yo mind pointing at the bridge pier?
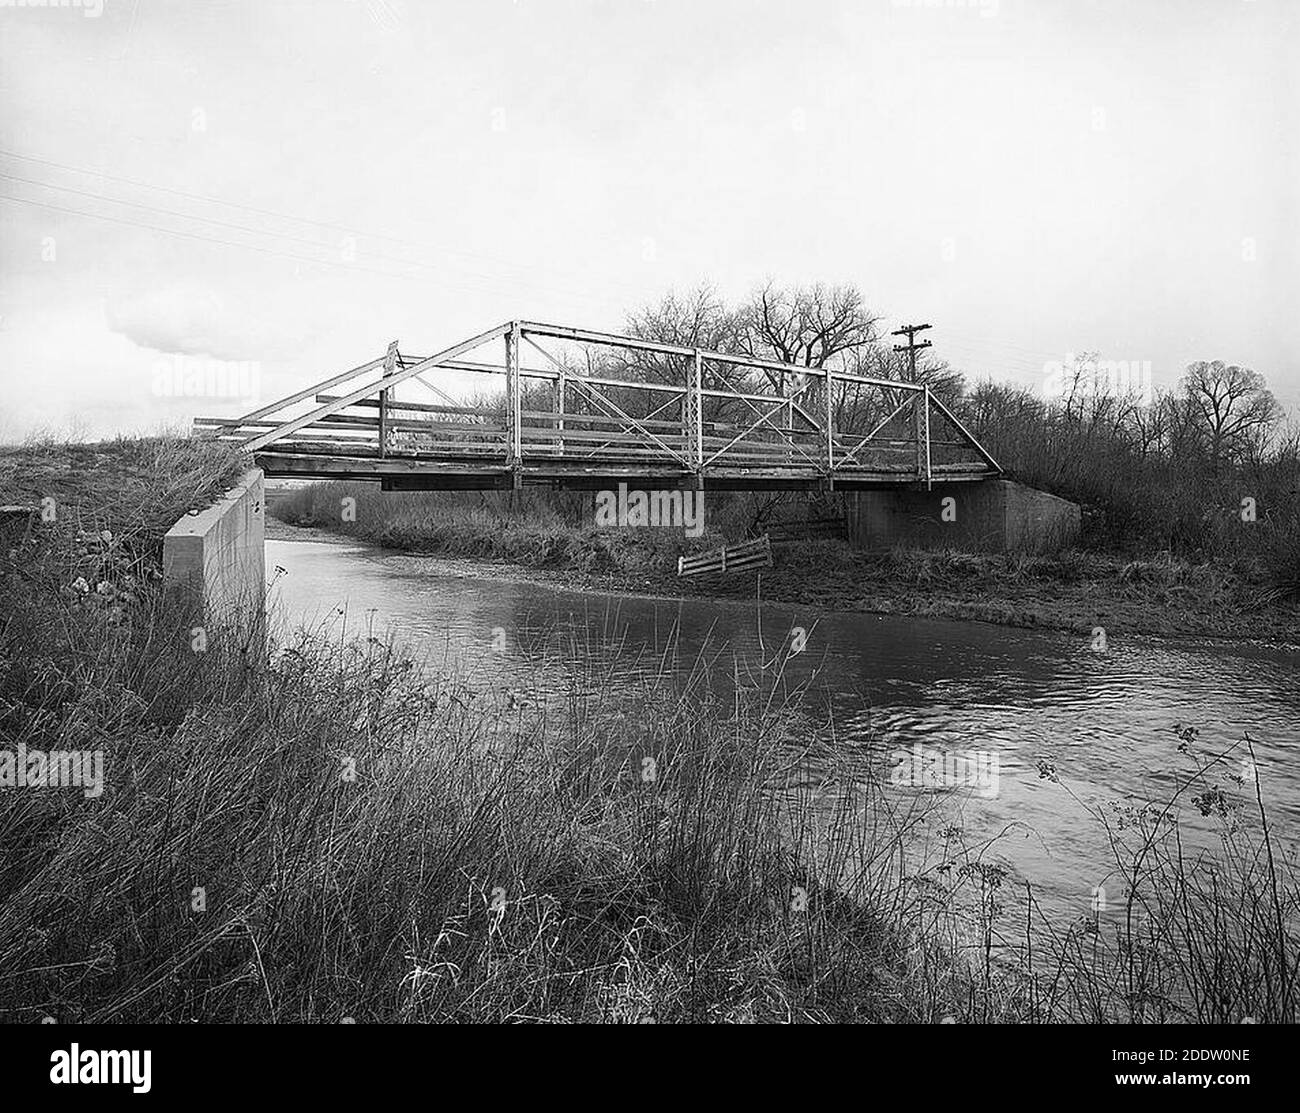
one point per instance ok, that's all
(993, 515)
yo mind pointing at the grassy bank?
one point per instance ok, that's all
(1075, 590)
(345, 835)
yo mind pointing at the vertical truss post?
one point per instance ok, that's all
(787, 421)
(789, 425)
(693, 417)
(920, 409)
(390, 365)
(514, 436)
(560, 385)
(830, 425)
(926, 397)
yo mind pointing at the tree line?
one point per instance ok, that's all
(1207, 467)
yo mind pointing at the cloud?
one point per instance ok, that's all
(192, 321)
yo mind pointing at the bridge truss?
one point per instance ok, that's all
(585, 409)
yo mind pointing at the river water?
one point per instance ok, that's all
(910, 688)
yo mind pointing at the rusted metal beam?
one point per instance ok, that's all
(390, 364)
(514, 448)
(366, 391)
(988, 459)
(307, 392)
(748, 445)
(613, 340)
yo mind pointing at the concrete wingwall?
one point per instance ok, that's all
(992, 515)
(214, 564)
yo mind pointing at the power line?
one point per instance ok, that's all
(960, 352)
(518, 281)
(237, 205)
(172, 212)
(211, 239)
(983, 339)
(234, 226)
(1003, 365)
(332, 226)
(988, 348)
(955, 341)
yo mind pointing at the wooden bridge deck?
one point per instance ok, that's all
(604, 409)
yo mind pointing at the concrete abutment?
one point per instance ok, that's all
(993, 515)
(214, 566)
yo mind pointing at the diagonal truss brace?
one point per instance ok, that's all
(387, 382)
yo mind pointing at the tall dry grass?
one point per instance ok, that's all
(534, 529)
(344, 833)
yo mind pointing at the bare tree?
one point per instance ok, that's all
(1078, 382)
(696, 319)
(1181, 438)
(1149, 427)
(880, 361)
(1230, 407)
(807, 325)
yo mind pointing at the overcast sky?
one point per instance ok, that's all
(297, 184)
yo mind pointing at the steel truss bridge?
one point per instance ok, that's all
(586, 410)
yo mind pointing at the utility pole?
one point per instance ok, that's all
(921, 398)
(911, 347)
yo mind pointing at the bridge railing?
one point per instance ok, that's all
(575, 401)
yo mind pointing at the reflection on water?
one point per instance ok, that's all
(1104, 720)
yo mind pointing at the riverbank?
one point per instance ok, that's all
(1074, 591)
(340, 835)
